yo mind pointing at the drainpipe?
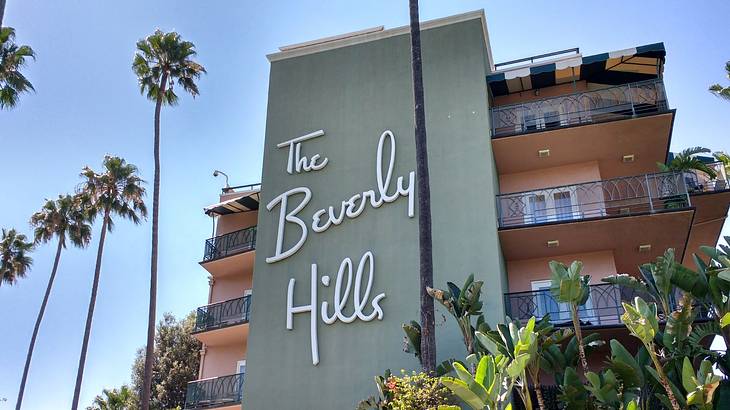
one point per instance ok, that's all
(202, 361)
(211, 282)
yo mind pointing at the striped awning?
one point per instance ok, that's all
(617, 67)
(248, 201)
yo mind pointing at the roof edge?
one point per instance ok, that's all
(365, 36)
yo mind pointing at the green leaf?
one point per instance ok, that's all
(462, 391)
(725, 320)
(517, 366)
(462, 373)
(688, 378)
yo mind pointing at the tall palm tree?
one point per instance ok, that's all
(2, 11)
(161, 60)
(687, 160)
(428, 337)
(12, 58)
(116, 191)
(14, 259)
(720, 91)
(63, 218)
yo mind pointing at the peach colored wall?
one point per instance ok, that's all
(549, 177)
(222, 360)
(521, 273)
(235, 222)
(546, 92)
(232, 286)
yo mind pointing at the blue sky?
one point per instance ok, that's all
(87, 104)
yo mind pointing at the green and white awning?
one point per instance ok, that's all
(248, 201)
(617, 67)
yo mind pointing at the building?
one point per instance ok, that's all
(551, 157)
(222, 325)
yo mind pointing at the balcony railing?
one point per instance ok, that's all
(606, 104)
(223, 314)
(602, 308)
(611, 197)
(230, 244)
(215, 392)
(697, 181)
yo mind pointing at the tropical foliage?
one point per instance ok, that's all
(161, 60)
(720, 91)
(14, 256)
(687, 160)
(414, 391)
(64, 219)
(116, 191)
(115, 399)
(13, 58)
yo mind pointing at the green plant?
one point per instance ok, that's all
(687, 161)
(491, 385)
(63, 219)
(516, 343)
(720, 91)
(700, 386)
(161, 60)
(567, 285)
(14, 259)
(643, 323)
(414, 391)
(12, 58)
(463, 304)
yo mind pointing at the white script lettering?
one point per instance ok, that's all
(360, 299)
(298, 163)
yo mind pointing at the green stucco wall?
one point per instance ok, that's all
(355, 93)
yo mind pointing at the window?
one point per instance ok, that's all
(241, 367)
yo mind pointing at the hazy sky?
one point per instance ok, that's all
(87, 104)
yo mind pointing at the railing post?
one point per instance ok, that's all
(631, 100)
(648, 193)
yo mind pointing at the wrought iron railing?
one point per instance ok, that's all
(215, 392)
(605, 104)
(602, 308)
(611, 197)
(698, 181)
(231, 243)
(228, 313)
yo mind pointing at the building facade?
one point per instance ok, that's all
(552, 157)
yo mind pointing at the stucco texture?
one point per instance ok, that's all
(355, 93)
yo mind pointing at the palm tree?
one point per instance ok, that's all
(720, 91)
(687, 160)
(428, 337)
(116, 399)
(116, 191)
(64, 218)
(12, 59)
(161, 60)
(2, 11)
(14, 259)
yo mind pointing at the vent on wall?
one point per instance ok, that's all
(645, 247)
(553, 243)
(543, 153)
(628, 158)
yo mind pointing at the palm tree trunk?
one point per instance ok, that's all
(150, 350)
(2, 11)
(538, 394)
(38, 320)
(428, 337)
(579, 337)
(90, 313)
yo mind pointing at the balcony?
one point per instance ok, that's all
(232, 243)
(215, 392)
(634, 195)
(603, 307)
(223, 314)
(588, 107)
(698, 182)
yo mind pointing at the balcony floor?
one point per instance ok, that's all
(622, 234)
(711, 212)
(239, 263)
(236, 334)
(646, 137)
